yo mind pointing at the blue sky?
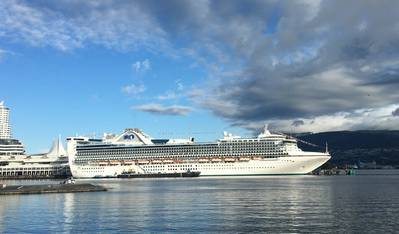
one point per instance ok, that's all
(197, 68)
(87, 91)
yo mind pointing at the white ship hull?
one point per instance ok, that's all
(295, 165)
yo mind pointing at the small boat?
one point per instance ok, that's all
(203, 160)
(156, 161)
(159, 175)
(244, 159)
(68, 181)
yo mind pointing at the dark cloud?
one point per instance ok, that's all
(163, 110)
(267, 60)
(395, 112)
(297, 123)
(317, 64)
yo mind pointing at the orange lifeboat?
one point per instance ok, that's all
(128, 162)
(143, 161)
(203, 160)
(229, 160)
(113, 163)
(168, 161)
(216, 160)
(156, 161)
(244, 159)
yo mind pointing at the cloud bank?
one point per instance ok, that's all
(163, 110)
(331, 64)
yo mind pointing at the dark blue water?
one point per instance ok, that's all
(286, 204)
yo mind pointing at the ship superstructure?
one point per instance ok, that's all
(134, 150)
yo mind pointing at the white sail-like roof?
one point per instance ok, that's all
(57, 150)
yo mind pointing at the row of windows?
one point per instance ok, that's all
(195, 147)
(195, 160)
(179, 151)
(31, 169)
(116, 157)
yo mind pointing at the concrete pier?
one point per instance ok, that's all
(49, 188)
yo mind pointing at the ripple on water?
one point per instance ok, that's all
(293, 204)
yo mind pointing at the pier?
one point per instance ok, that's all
(49, 188)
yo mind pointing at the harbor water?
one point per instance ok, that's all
(364, 203)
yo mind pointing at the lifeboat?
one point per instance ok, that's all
(257, 158)
(229, 160)
(128, 162)
(203, 160)
(143, 161)
(168, 161)
(102, 163)
(113, 163)
(216, 160)
(156, 161)
(244, 159)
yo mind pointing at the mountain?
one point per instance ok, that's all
(367, 148)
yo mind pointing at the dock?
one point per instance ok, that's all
(49, 188)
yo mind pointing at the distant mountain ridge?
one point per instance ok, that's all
(352, 147)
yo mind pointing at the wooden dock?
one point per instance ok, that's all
(49, 188)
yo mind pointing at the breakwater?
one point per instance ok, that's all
(49, 188)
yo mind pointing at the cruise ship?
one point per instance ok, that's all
(136, 152)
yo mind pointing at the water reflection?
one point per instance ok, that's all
(68, 211)
(233, 204)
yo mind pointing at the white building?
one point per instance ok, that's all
(5, 130)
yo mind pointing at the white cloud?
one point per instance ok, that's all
(133, 89)
(177, 93)
(141, 66)
(4, 53)
(67, 25)
(377, 118)
(179, 85)
(168, 96)
(155, 108)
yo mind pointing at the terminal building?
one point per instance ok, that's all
(15, 163)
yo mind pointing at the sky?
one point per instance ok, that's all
(197, 68)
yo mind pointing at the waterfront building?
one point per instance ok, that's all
(15, 163)
(8, 146)
(53, 164)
